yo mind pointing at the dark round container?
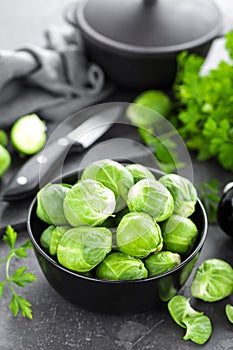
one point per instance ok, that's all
(114, 296)
(225, 210)
(136, 42)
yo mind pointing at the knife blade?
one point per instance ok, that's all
(47, 164)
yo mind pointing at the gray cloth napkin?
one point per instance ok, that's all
(54, 81)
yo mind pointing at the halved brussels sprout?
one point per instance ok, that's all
(112, 175)
(179, 234)
(82, 248)
(213, 280)
(183, 192)
(139, 172)
(161, 262)
(151, 197)
(50, 201)
(88, 203)
(119, 266)
(138, 235)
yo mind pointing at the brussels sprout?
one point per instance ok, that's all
(213, 280)
(151, 197)
(139, 172)
(51, 236)
(119, 266)
(138, 235)
(50, 201)
(179, 234)
(112, 175)
(82, 248)
(156, 104)
(5, 160)
(88, 203)
(56, 235)
(161, 262)
(45, 237)
(183, 192)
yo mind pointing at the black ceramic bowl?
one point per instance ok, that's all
(114, 296)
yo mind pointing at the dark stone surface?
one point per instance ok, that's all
(56, 323)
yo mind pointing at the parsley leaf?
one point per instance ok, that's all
(205, 111)
(20, 277)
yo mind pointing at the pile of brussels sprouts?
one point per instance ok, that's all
(118, 222)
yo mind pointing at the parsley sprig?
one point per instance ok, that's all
(206, 105)
(20, 277)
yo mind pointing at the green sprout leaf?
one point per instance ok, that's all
(199, 329)
(20, 277)
(229, 312)
(213, 280)
(198, 326)
(180, 308)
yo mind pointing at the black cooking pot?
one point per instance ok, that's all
(136, 42)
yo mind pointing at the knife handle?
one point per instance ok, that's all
(40, 169)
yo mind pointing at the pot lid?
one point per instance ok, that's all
(149, 26)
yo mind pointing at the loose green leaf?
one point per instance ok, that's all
(199, 329)
(180, 308)
(10, 237)
(213, 280)
(229, 312)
